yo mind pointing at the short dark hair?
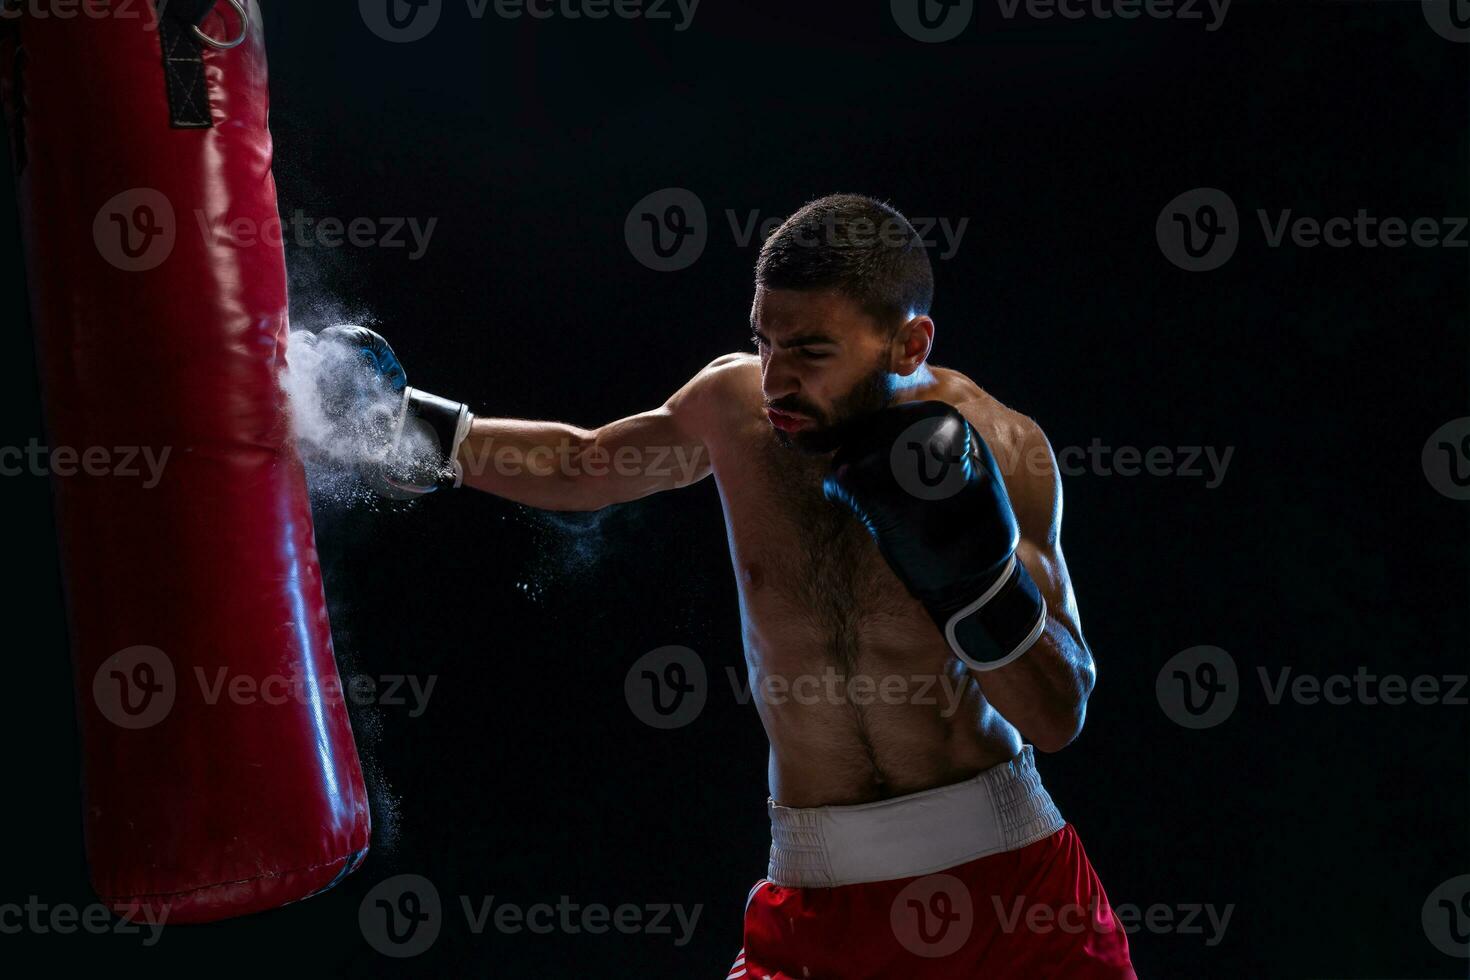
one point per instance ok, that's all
(857, 246)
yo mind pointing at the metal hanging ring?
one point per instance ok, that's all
(244, 16)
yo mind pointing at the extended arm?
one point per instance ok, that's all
(553, 466)
(435, 442)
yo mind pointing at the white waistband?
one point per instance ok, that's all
(1002, 809)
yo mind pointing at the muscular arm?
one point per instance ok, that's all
(553, 466)
(1044, 694)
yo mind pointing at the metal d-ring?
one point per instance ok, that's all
(244, 29)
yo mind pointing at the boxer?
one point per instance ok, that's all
(888, 519)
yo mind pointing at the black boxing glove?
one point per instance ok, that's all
(929, 491)
(423, 449)
(420, 449)
(372, 348)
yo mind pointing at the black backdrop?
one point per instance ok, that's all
(1324, 548)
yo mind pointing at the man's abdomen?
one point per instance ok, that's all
(888, 723)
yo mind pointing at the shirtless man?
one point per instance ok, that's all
(873, 534)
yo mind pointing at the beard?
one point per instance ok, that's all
(871, 394)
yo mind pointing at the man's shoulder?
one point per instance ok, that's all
(1021, 450)
(1006, 430)
(729, 376)
(730, 382)
(741, 364)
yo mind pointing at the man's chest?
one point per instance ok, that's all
(794, 552)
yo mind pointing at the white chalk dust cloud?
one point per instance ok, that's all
(342, 413)
(345, 417)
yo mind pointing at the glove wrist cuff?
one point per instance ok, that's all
(423, 451)
(448, 420)
(1002, 625)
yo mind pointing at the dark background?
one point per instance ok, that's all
(528, 777)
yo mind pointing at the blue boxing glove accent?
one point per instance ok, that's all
(373, 348)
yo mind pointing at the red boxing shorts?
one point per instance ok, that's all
(979, 879)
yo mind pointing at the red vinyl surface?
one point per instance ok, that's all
(220, 772)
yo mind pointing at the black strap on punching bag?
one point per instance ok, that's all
(183, 61)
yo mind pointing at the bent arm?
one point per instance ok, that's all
(1044, 693)
(553, 466)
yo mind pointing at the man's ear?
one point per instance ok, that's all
(912, 343)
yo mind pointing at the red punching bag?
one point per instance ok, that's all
(219, 770)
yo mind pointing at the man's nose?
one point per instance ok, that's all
(777, 380)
